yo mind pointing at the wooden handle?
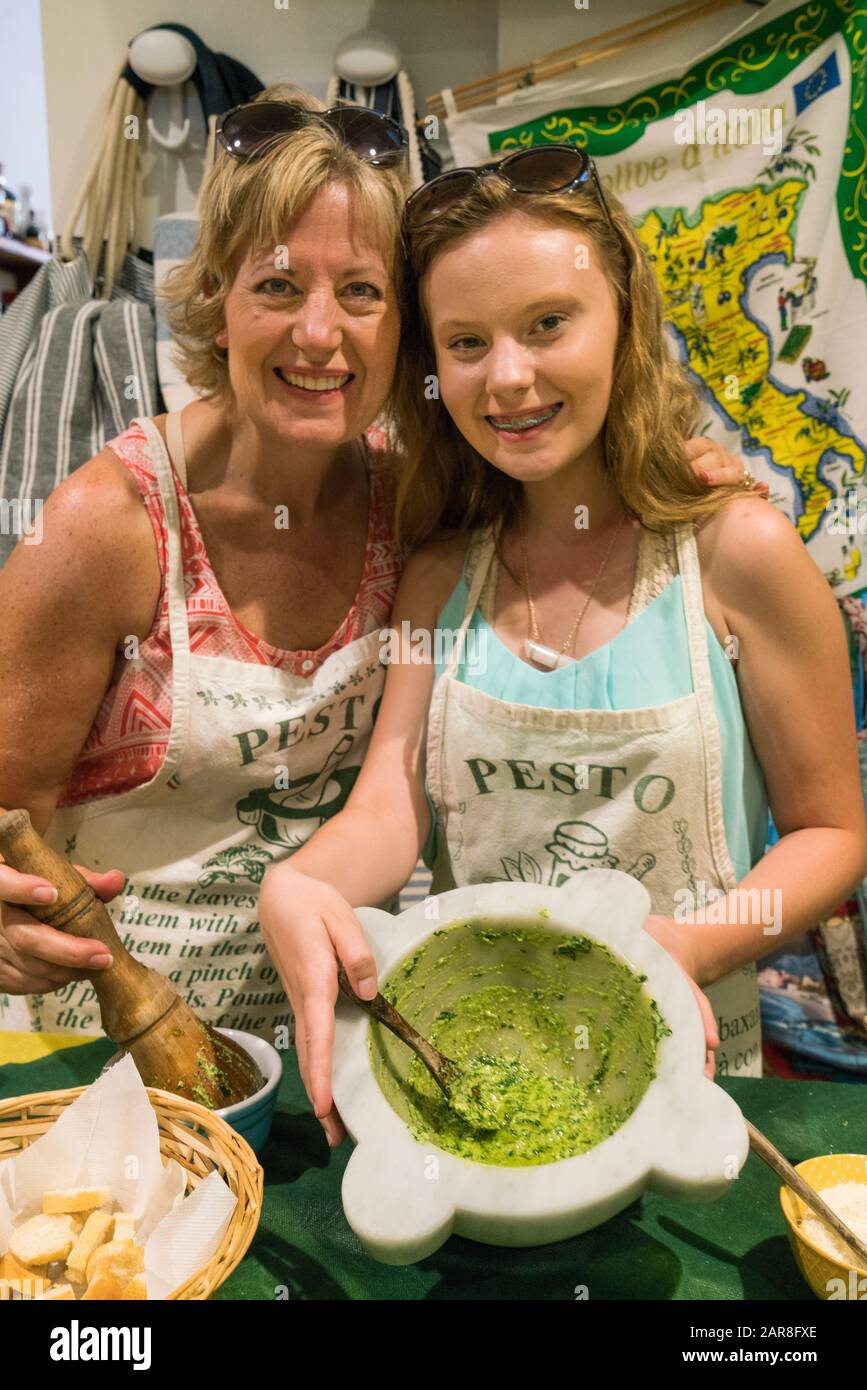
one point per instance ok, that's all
(765, 1150)
(77, 910)
(379, 1008)
(140, 1009)
(130, 995)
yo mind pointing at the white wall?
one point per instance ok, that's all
(24, 140)
(85, 44)
(445, 42)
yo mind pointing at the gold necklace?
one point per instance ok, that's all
(534, 648)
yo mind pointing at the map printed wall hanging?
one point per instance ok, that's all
(746, 177)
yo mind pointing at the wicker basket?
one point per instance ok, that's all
(195, 1137)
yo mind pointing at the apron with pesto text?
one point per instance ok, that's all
(257, 759)
(525, 792)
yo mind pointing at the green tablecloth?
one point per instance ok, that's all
(657, 1248)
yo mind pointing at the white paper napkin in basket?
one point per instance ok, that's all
(109, 1137)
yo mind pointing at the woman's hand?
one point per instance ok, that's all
(673, 936)
(308, 927)
(716, 466)
(35, 958)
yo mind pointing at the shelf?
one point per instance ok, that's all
(16, 255)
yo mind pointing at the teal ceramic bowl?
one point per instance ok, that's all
(252, 1117)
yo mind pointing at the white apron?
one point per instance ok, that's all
(510, 804)
(257, 759)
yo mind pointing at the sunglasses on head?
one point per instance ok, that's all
(247, 131)
(549, 169)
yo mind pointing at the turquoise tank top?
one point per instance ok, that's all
(645, 664)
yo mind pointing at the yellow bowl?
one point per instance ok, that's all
(828, 1277)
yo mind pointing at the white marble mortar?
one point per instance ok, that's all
(686, 1138)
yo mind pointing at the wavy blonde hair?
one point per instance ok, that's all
(446, 485)
(249, 204)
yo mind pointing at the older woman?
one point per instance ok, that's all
(189, 662)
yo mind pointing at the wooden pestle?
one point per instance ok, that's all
(459, 1088)
(141, 1011)
(442, 1069)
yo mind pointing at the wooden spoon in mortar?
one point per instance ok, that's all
(461, 1094)
(140, 1009)
(765, 1150)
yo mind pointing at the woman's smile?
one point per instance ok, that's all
(314, 385)
(291, 329)
(524, 424)
(499, 340)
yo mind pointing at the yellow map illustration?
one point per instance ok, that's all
(704, 266)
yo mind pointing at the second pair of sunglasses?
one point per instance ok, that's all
(247, 131)
(548, 169)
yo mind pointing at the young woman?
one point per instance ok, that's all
(659, 662)
(193, 649)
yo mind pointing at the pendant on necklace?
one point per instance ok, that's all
(544, 656)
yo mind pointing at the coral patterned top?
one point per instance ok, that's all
(127, 741)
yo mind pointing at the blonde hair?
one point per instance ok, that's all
(446, 485)
(248, 204)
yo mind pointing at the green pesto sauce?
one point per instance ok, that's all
(555, 1038)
